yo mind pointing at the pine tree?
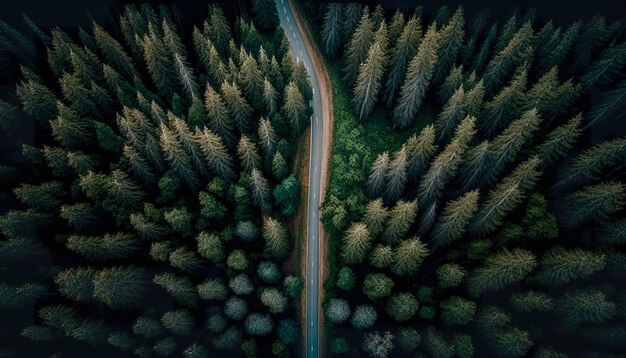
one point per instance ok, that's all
(270, 97)
(451, 84)
(259, 188)
(505, 196)
(44, 196)
(606, 68)
(185, 260)
(586, 305)
(332, 29)
(417, 80)
(452, 37)
(107, 247)
(241, 284)
(505, 147)
(147, 230)
(594, 202)
(180, 287)
(501, 269)
(179, 160)
(267, 137)
(212, 289)
(356, 243)
(69, 129)
(451, 115)
(113, 51)
(403, 51)
(377, 179)
(294, 108)
(591, 164)
(186, 138)
(559, 266)
(274, 300)
(352, 14)
(420, 150)
(157, 61)
(218, 116)
(450, 275)
(559, 141)
(507, 104)
(219, 29)
(457, 311)
(377, 285)
(402, 306)
(237, 106)
(531, 301)
(375, 216)
(517, 51)
(381, 256)
(276, 238)
(408, 256)
(396, 27)
(455, 218)
(445, 165)
(215, 153)
(401, 218)
(474, 166)
(248, 154)
(179, 322)
(80, 215)
(396, 176)
(119, 287)
(250, 79)
(369, 78)
(265, 14)
(358, 47)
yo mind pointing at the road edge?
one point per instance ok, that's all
(324, 83)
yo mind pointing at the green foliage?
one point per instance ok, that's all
(457, 311)
(402, 306)
(501, 269)
(287, 195)
(178, 322)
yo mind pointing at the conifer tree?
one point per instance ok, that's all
(452, 37)
(475, 164)
(590, 164)
(113, 51)
(451, 114)
(109, 246)
(559, 141)
(215, 153)
(375, 216)
(119, 287)
(559, 266)
(420, 150)
(401, 218)
(270, 97)
(179, 160)
(248, 154)
(444, 166)
(259, 187)
(455, 218)
(356, 243)
(586, 305)
(501, 269)
(377, 179)
(358, 47)
(507, 104)
(408, 256)
(267, 137)
(276, 238)
(504, 147)
(594, 202)
(218, 116)
(517, 51)
(403, 51)
(237, 106)
(369, 78)
(180, 287)
(294, 107)
(417, 80)
(332, 29)
(396, 176)
(505, 196)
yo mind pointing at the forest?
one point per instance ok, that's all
(147, 186)
(474, 208)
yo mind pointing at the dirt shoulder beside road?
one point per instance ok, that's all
(327, 138)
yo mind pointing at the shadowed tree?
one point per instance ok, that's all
(248, 154)
(585, 305)
(180, 287)
(403, 51)
(377, 285)
(377, 178)
(452, 36)
(402, 306)
(396, 176)
(590, 164)
(76, 283)
(358, 47)
(109, 246)
(213, 289)
(559, 141)
(408, 256)
(559, 266)
(417, 80)
(332, 29)
(369, 78)
(378, 344)
(455, 218)
(375, 216)
(236, 104)
(363, 316)
(401, 218)
(119, 287)
(594, 202)
(501, 269)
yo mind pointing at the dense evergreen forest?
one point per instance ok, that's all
(146, 215)
(470, 209)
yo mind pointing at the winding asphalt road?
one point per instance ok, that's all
(312, 288)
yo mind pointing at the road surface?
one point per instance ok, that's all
(312, 287)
